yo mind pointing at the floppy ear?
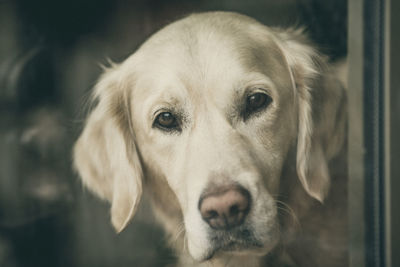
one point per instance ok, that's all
(105, 154)
(321, 102)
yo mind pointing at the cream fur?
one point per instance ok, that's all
(202, 67)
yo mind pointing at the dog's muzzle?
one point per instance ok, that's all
(224, 209)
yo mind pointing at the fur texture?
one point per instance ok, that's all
(202, 69)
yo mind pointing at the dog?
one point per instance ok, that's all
(237, 131)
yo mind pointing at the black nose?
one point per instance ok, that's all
(225, 207)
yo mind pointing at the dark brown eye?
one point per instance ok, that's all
(257, 101)
(166, 121)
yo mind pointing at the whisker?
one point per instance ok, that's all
(185, 242)
(180, 230)
(286, 208)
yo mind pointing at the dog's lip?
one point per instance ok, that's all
(233, 247)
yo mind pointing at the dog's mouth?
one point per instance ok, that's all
(236, 241)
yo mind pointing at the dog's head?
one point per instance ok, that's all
(207, 111)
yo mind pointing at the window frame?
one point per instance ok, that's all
(372, 130)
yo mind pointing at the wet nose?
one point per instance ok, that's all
(225, 207)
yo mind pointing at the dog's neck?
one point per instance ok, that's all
(231, 261)
(316, 221)
(278, 258)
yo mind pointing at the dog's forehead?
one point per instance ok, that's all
(209, 57)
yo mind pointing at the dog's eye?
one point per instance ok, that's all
(166, 121)
(256, 102)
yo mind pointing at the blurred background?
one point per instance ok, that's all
(50, 57)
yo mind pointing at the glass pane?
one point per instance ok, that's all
(235, 133)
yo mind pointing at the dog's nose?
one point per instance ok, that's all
(225, 207)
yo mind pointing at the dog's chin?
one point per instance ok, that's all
(235, 249)
(240, 243)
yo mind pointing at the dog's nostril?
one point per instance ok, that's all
(225, 207)
(211, 214)
(234, 210)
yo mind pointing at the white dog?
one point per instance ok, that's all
(234, 129)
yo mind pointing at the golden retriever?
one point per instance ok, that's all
(237, 132)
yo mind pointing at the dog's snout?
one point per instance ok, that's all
(225, 207)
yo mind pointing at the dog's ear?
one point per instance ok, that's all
(105, 154)
(321, 103)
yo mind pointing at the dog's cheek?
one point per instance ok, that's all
(196, 233)
(265, 219)
(269, 168)
(273, 149)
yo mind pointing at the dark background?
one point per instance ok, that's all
(50, 57)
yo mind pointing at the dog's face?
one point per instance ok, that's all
(209, 106)
(216, 113)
